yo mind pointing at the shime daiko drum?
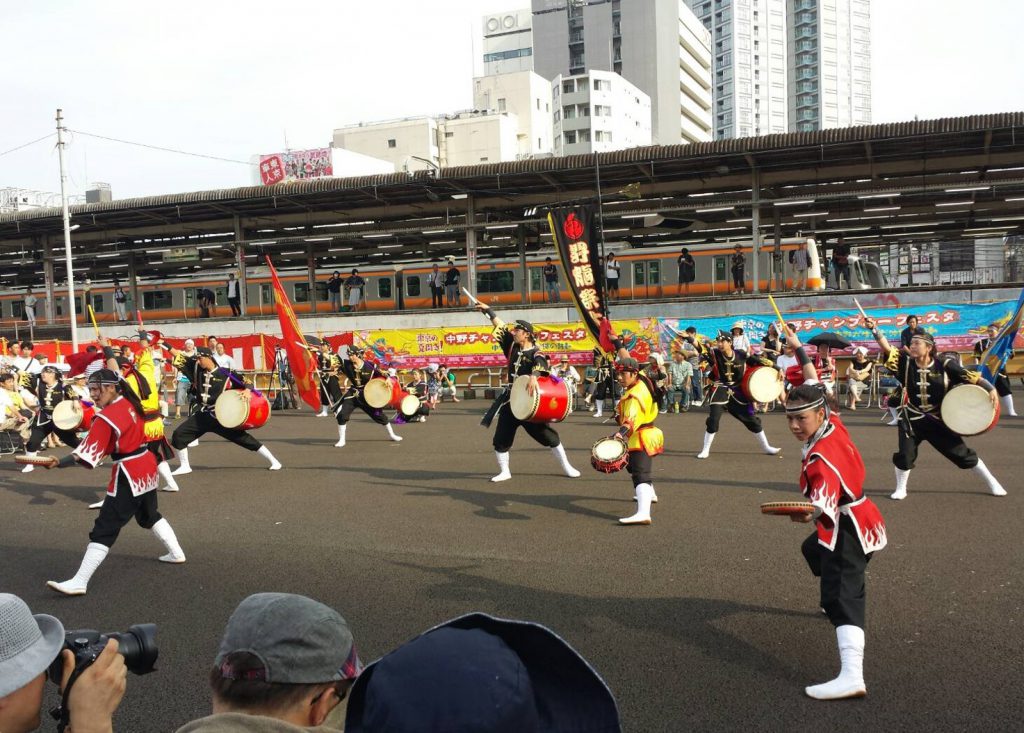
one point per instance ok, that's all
(609, 455)
(967, 409)
(761, 383)
(73, 415)
(549, 403)
(234, 411)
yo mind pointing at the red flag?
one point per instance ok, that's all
(299, 357)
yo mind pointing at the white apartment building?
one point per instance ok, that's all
(749, 49)
(829, 63)
(653, 44)
(598, 112)
(508, 42)
(526, 96)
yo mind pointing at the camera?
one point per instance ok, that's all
(137, 646)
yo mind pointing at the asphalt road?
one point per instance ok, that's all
(706, 620)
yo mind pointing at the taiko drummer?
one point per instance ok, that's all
(635, 413)
(208, 382)
(926, 379)
(518, 343)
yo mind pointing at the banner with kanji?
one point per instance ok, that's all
(299, 357)
(575, 233)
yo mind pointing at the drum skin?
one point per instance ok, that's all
(410, 405)
(73, 415)
(550, 403)
(382, 392)
(761, 383)
(967, 410)
(233, 411)
(787, 508)
(609, 455)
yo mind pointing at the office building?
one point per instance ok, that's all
(508, 42)
(598, 112)
(525, 96)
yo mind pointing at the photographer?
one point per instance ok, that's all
(28, 646)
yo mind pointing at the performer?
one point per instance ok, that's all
(925, 380)
(51, 392)
(727, 368)
(327, 365)
(358, 371)
(524, 358)
(607, 385)
(417, 386)
(117, 432)
(849, 527)
(636, 413)
(1002, 380)
(208, 382)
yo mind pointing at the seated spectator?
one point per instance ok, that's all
(28, 646)
(448, 387)
(284, 664)
(480, 673)
(680, 382)
(858, 375)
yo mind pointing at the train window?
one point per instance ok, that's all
(97, 304)
(495, 281)
(536, 280)
(221, 296)
(412, 285)
(384, 288)
(267, 294)
(156, 300)
(321, 290)
(190, 297)
(18, 309)
(301, 292)
(654, 272)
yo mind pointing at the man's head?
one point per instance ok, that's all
(922, 345)
(26, 348)
(7, 380)
(204, 357)
(912, 321)
(992, 330)
(212, 342)
(355, 271)
(284, 656)
(685, 251)
(190, 345)
(415, 375)
(50, 374)
(677, 356)
(522, 332)
(547, 260)
(219, 349)
(104, 387)
(28, 645)
(231, 276)
(627, 370)
(336, 274)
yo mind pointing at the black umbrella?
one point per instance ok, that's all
(831, 340)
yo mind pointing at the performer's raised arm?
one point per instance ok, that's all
(872, 326)
(487, 311)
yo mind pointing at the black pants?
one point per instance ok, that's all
(944, 440)
(607, 388)
(842, 574)
(737, 279)
(640, 467)
(119, 509)
(742, 411)
(201, 423)
(350, 403)
(613, 286)
(236, 306)
(1002, 385)
(436, 296)
(508, 424)
(39, 433)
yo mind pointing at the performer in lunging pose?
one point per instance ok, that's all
(636, 413)
(117, 432)
(208, 382)
(524, 358)
(327, 365)
(849, 528)
(51, 391)
(358, 371)
(1002, 380)
(727, 368)
(926, 379)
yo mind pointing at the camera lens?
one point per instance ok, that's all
(138, 646)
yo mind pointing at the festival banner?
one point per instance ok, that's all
(299, 358)
(576, 240)
(295, 165)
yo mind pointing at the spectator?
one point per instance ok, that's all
(234, 295)
(206, 299)
(436, 282)
(354, 284)
(284, 374)
(433, 386)
(568, 372)
(611, 275)
(26, 363)
(841, 263)
(693, 352)
(223, 359)
(798, 258)
(740, 342)
(825, 364)
(120, 302)
(771, 344)
(778, 279)
(452, 278)
(334, 291)
(908, 333)
(30, 308)
(448, 386)
(687, 270)
(183, 385)
(655, 371)
(550, 271)
(482, 673)
(858, 376)
(680, 382)
(28, 645)
(738, 278)
(285, 662)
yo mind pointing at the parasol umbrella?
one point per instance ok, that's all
(829, 339)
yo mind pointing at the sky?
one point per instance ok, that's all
(235, 79)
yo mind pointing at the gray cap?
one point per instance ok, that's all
(298, 640)
(28, 644)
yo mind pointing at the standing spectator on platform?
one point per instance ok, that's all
(778, 280)
(120, 302)
(334, 291)
(436, 281)
(205, 299)
(452, 279)
(355, 284)
(30, 308)
(687, 270)
(234, 297)
(738, 277)
(680, 382)
(551, 281)
(908, 333)
(611, 273)
(798, 258)
(841, 263)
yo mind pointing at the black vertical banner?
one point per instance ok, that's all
(575, 233)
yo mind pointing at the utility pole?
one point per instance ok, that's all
(67, 233)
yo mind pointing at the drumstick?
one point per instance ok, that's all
(92, 317)
(470, 296)
(862, 313)
(777, 314)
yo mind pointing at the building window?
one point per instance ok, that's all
(501, 104)
(603, 136)
(391, 142)
(569, 86)
(570, 137)
(558, 115)
(569, 112)
(584, 110)
(449, 134)
(584, 136)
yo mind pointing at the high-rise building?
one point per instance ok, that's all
(829, 63)
(597, 112)
(654, 44)
(508, 42)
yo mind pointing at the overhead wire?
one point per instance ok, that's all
(25, 145)
(159, 147)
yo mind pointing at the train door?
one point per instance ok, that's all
(720, 276)
(646, 279)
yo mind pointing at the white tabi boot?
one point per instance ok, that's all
(1006, 405)
(503, 473)
(850, 682)
(164, 469)
(894, 417)
(193, 444)
(165, 534)
(183, 464)
(559, 453)
(598, 408)
(264, 451)
(392, 435)
(29, 468)
(901, 485)
(993, 485)
(98, 504)
(644, 497)
(323, 411)
(762, 440)
(342, 429)
(709, 438)
(95, 553)
(636, 496)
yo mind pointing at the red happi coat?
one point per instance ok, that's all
(120, 430)
(832, 478)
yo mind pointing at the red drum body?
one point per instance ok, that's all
(761, 384)
(609, 455)
(410, 405)
(382, 392)
(550, 403)
(967, 410)
(73, 415)
(233, 411)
